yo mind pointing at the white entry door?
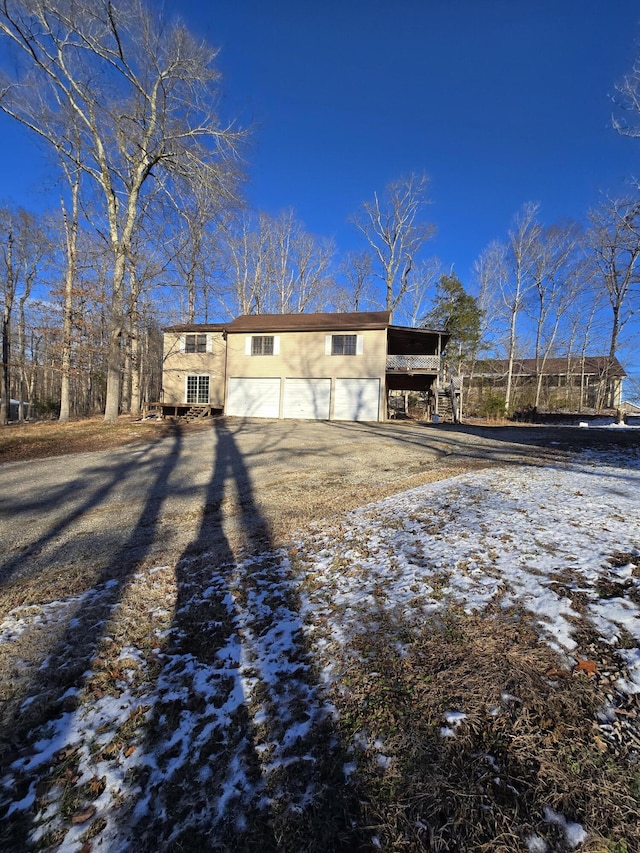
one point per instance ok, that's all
(307, 398)
(357, 400)
(254, 398)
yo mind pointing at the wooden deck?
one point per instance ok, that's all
(189, 411)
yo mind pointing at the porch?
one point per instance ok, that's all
(189, 411)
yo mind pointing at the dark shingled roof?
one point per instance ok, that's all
(309, 322)
(354, 321)
(594, 365)
(197, 327)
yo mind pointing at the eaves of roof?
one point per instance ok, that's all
(354, 321)
(196, 327)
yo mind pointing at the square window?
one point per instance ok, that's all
(195, 343)
(262, 345)
(343, 344)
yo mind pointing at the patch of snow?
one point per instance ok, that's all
(530, 538)
(574, 833)
(536, 844)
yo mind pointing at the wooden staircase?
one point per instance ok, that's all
(445, 406)
(450, 400)
(197, 413)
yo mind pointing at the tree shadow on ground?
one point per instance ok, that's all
(47, 696)
(76, 498)
(241, 747)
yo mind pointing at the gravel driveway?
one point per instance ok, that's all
(68, 522)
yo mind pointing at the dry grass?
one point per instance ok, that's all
(20, 442)
(530, 738)
(528, 741)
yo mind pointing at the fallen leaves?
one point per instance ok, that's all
(83, 816)
(590, 667)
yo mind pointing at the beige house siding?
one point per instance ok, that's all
(303, 355)
(177, 365)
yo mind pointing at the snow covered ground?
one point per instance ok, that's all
(225, 684)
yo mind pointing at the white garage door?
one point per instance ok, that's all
(357, 400)
(307, 398)
(254, 398)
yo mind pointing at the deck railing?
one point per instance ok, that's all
(408, 363)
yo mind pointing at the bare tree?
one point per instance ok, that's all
(143, 97)
(558, 271)
(23, 250)
(582, 320)
(491, 273)
(392, 226)
(505, 273)
(197, 210)
(412, 306)
(245, 248)
(71, 224)
(628, 100)
(615, 241)
(523, 238)
(276, 267)
(358, 272)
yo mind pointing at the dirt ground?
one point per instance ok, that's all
(85, 505)
(69, 521)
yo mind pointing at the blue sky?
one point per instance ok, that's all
(499, 101)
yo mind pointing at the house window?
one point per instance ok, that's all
(198, 389)
(195, 343)
(343, 344)
(262, 345)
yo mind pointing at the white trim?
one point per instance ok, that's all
(186, 386)
(209, 342)
(183, 343)
(359, 344)
(276, 344)
(327, 344)
(247, 345)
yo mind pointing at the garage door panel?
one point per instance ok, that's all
(357, 400)
(307, 398)
(254, 398)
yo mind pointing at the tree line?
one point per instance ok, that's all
(152, 228)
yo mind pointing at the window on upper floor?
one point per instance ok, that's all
(262, 345)
(195, 343)
(344, 344)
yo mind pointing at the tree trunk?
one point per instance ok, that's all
(512, 347)
(114, 375)
(114, 352)
(5, 408)
(135, 375)
(71, 234)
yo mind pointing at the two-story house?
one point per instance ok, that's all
(318, 366)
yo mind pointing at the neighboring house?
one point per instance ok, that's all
(13, 412)
(318, 366)
(568, 383)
